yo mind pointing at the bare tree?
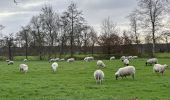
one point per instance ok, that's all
(134, 24)
(50, 25)
(75, 18)
(93, 39)
(37, 33)
(108, 29)
(9, 42)
(25, 36)
(151, 15)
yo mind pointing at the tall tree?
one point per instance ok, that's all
(37, 34)
(93, 39)
(151, 12)
(75, 18)
(50, 25)
(108, 29)
(25, 36)
(9, 42)
(134, 24)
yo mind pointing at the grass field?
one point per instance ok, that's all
(74, 81)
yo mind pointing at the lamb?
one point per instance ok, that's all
(10, 62)
(88, 59)
(23, 68)
(100, 64)
(54, 66)
(126, 62)
(159, 68)
(112, 58)
(125, 71)
(70, 60)
(98, 76)
(152, 61)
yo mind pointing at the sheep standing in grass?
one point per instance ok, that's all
(152, 61)
(54, 66)
(10, 62)
(62, 59)
(25, 60)
(88, 59)
(134, 57)
(7, 60)
(112, 58)
(125, 71)
(70, 60)
(159, 68)
(98, 76)
(100, 64)
(54, 60)
(122, 58)
(23, 68)
(126, 62)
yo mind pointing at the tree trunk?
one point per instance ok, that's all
(153, 38)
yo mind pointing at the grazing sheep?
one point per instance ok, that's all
(134, 57)
(152, 61)
(112, 58)
(98, 76)
(100, 64)
(159, 68)
(10, 62)
(62, 59)
(129, 57)
(125, 71)
(7, 60)
(122, 58)
(70, 60)
(23, 68)
(54, 60)
(25, 60)
(54, 66)
(126, 62)
(88, 59)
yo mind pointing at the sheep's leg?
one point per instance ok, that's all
(133, 76)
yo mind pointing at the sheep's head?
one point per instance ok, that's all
(116, 75)
(165, 65)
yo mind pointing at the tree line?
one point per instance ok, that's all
(70, 29)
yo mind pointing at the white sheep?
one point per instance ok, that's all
(152, 61)
(100, 63)
(54, 66)
(159, 68)
(98, 76)
(134, 57)
(88, 59)
(126, 62)
(25, 60)
(122, 58)
(23, 68)
(7, 60)
(125, 71)
(70, 60)
(10, 62)
(62, 59)
(112, 58)
(129, 57)
(54, 60)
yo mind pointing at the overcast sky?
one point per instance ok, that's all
(14, 16)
